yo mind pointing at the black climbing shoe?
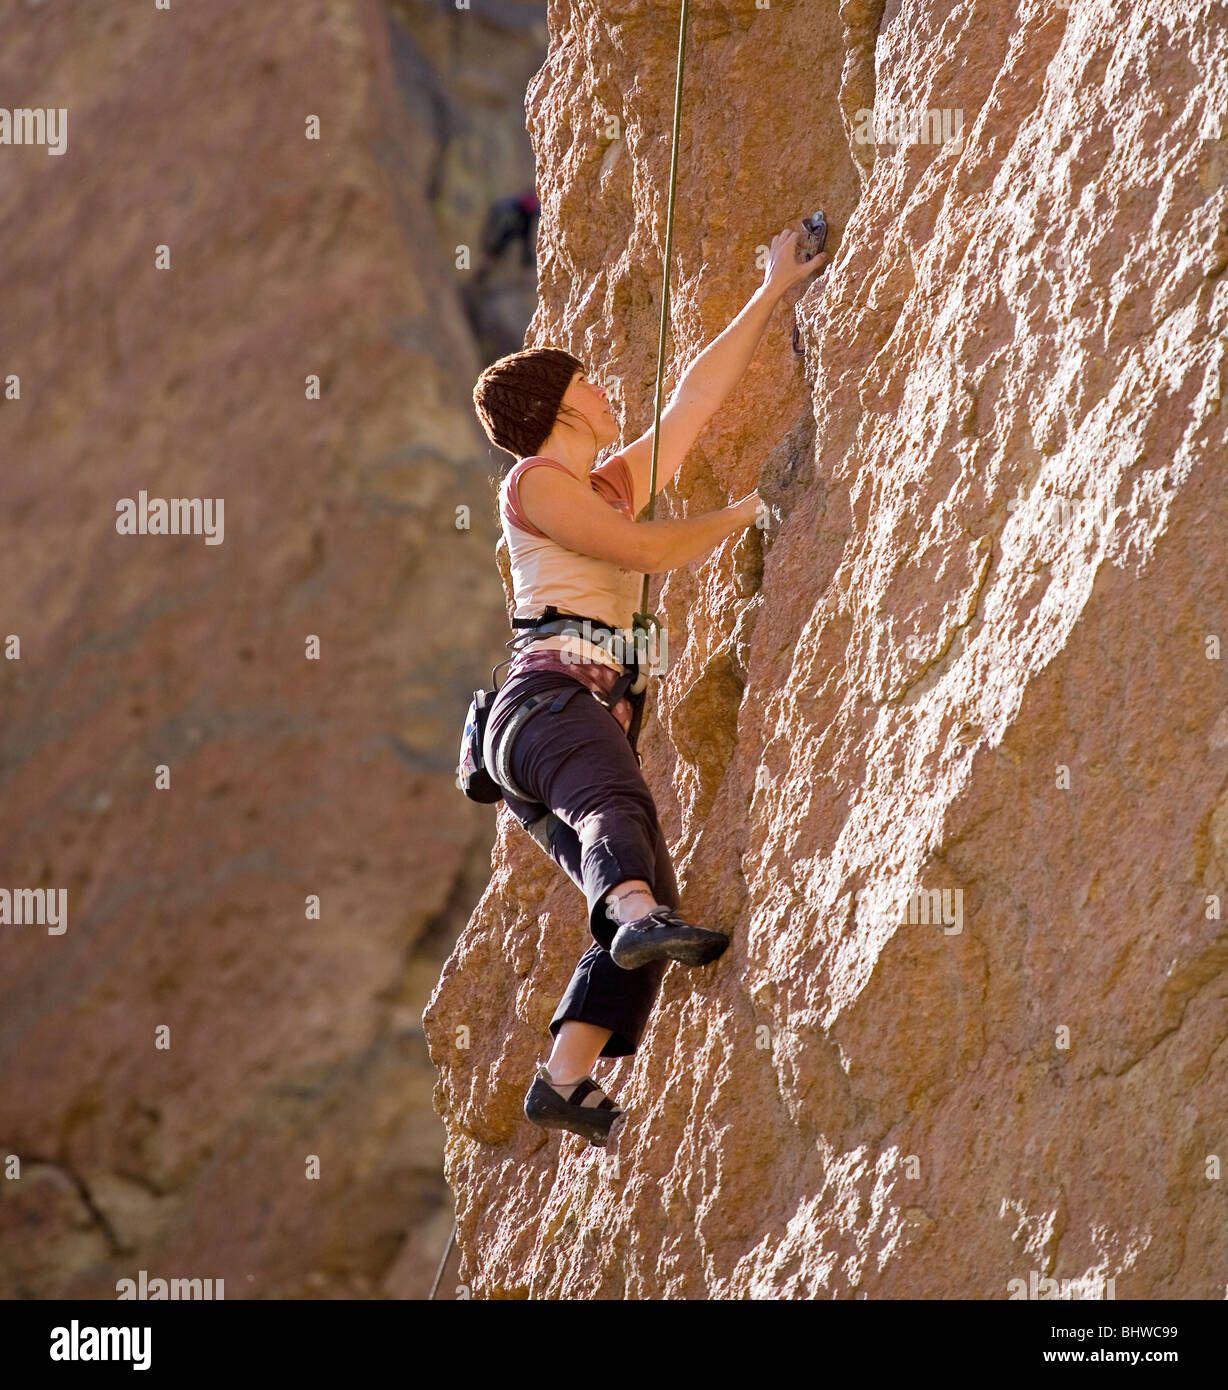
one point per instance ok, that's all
(597, 1121)
(663, 935)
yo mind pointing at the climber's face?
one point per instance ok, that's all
(593, 403)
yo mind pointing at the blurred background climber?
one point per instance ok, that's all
(509, 219)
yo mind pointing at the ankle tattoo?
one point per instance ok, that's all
(614, 904)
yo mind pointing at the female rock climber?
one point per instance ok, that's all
(576, 549)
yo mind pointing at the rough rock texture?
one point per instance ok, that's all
(978, 657)
(288, 1036)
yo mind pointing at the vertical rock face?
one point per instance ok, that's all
(950, 759)
(187, 1152)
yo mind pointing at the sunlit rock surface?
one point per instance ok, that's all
(980, 662)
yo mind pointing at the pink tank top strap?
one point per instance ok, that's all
(512, 491)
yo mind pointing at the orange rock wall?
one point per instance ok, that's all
(979, 653)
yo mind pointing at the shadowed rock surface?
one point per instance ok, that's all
(979, 655)
(288, 1036)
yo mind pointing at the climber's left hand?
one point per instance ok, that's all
(783, 269)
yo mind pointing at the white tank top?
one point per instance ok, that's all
(544, 572)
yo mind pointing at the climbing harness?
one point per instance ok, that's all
(634, 680)
(483, 773)
(501, 763)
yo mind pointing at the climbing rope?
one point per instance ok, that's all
(644, 619)
(447, 1250)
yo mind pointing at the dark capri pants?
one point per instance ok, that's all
(580, 765)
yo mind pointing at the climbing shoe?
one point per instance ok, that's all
(663, 935)
(583, 1107)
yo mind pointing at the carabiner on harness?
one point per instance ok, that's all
(650, 625)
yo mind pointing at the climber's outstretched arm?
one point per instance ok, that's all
(706, 383)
